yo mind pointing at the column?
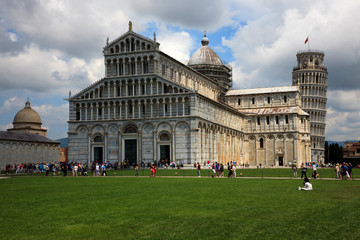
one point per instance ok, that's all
(145, 109)
(157, 108)
(151, 109)
(109, 112)
(183, 107)
(114, 110)
(135, 67)
(126, 88)
(106, 67)
(126, 110)
(140, 147)
(120, 147)
(89, 148)
(105, 147)
(97, 111)
(176, 107)
(155, 145)
(133, 110)
(123, 71)
(80, 112)
(139, 106)
(145, 87)
(151, 87)
(86, 118)
(142, 67)
(120, 109)
(173, 146)
(91, 112)
(114, 94)
(157, 87)
(108, 87)
(139, 91)
(170, 103)
(118, 68)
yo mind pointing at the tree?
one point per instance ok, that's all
(326, 152)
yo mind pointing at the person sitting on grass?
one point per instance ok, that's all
(307, 185)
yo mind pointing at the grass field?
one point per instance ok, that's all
(177, 208)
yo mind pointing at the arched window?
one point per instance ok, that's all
(98, 139)
(261, 143)
(164, 137)
(130, 129)
(268, 99)
(285, 98)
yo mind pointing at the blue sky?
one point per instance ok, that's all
(50, 47)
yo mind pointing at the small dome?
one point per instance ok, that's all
(27, 115)
(205, 55)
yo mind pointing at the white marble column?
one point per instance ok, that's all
(151, 109)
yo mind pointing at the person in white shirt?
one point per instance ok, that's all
(307, 185)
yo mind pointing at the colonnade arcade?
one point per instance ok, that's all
(273, 150)
(133, 108)
(129, 45)
(131, 87)
(313, 103)
(309, 77)
(219, 144)
(134, 65)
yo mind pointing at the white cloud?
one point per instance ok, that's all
(54, 119)
(176, 44)
(47, 71)
(11, 104)
(6, 127)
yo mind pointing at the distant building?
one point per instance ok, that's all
(26, 142)
(150, 107)
(351, 150)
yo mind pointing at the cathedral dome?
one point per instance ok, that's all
(205, 55)
(27, 115)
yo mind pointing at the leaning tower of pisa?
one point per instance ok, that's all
(311, 77)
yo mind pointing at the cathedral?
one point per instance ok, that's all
(149, 106)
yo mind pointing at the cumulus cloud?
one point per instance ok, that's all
(176, 44)
(268, 44)
(202, 14)
(10, 104)
(342, 125)
(47, 70)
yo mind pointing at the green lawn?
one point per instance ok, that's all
(177, 208)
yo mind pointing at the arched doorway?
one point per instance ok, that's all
(164, 149)
(98, 150)
(130, 144)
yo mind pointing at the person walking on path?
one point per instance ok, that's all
(152, 170)
(137, 170)
(294, 168)
(314, 170)
(337, 170)
(199, 170)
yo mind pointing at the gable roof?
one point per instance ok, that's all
(253, 91)
(25, 137)
(130, 32)
(275, 110)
